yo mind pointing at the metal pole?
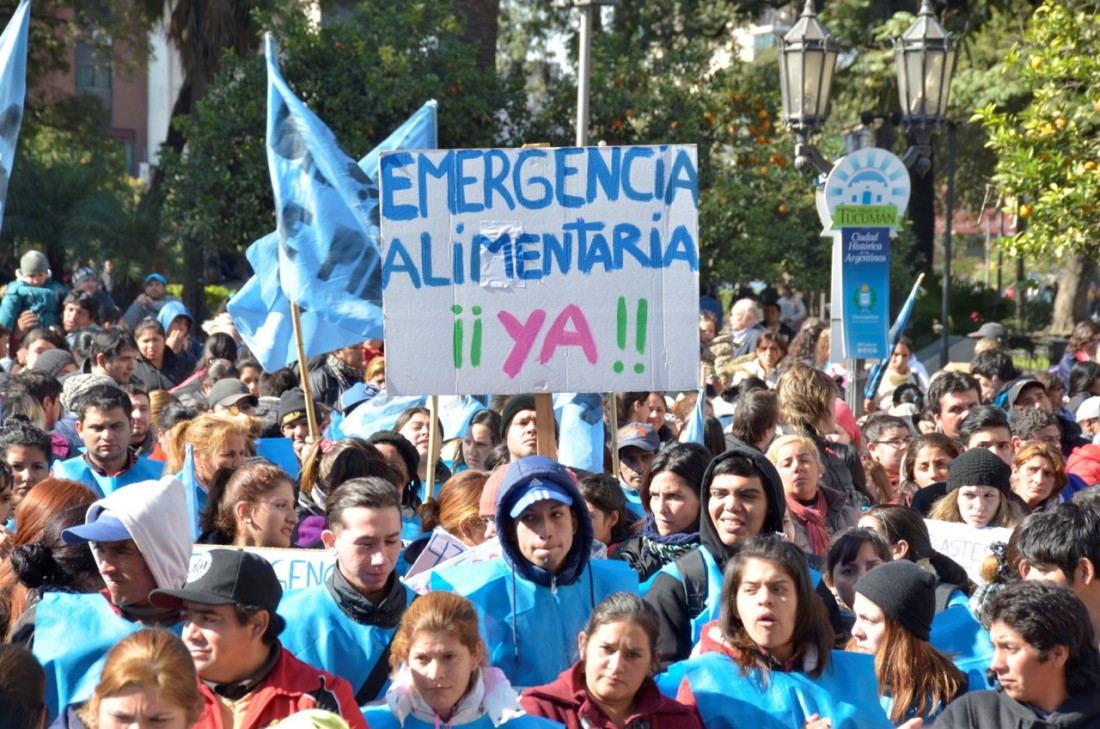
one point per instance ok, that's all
(945, 344)
(583, 73)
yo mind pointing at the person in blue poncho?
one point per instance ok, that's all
(741, 496)
(441, 677)
(109, 463)
(768, 661)
(141, 540)
(346, 625)
(538, 597)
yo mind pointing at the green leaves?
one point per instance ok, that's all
(1049, 151)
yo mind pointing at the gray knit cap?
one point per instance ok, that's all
(33, 262)
(52, 361)
(76, 385)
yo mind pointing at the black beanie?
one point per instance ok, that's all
(513, 406)
(904, 592)
(979, 467)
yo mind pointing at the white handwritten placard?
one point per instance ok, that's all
(967, 545)
(540, 270)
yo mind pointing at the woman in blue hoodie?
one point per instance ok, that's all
(537, 599)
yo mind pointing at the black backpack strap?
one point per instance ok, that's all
(693, 575)
(944, 591)
(370, 689)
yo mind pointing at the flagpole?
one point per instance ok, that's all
(303, 372)
(615, 434)
(433, 438)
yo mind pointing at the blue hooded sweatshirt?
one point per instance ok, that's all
(175, 308)
(530, 616)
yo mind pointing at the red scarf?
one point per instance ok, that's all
(813, 518)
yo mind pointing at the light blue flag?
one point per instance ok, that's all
(580, 418)
(896, 331)
(327, 213)
(382, 411)
(420, 131)
(13, 88)
(379, 413)
(261, 312)
(261, 309)
(695, 428)
(196, 494)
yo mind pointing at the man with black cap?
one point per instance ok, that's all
(230, 395)
(517, 427)
(638, 446)
(141, 540)
(231, 630)
(293, 421)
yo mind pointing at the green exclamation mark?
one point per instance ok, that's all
(475, 346)
(456, 339)
(640, 331)
(620, 333)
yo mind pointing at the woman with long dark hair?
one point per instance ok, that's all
(769, 659)
(670, 496)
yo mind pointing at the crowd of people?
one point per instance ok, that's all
(772, 568)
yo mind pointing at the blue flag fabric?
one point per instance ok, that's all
(261, 312)
(695, 428)
(324, 255)
(580, 415)
(382, 411)
(327, 212)
(196, 494)
(896, 330)
(13, 89)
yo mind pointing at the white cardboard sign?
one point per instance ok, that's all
(967, 545)
(573, 269)
(295, 568)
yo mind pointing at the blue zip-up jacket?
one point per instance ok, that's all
(531, 617)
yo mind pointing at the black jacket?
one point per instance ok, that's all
(997, 710)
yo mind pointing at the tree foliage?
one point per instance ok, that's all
(1048, 153)
(70, 196)
(363, 75)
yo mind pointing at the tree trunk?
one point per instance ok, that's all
(481, 30)
(1071, 302)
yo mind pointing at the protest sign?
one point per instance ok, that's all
(441, 547)
(540, 270)
(295, 568)
(967, 545)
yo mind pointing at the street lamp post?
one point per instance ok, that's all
(925, 55)
(588, 10)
